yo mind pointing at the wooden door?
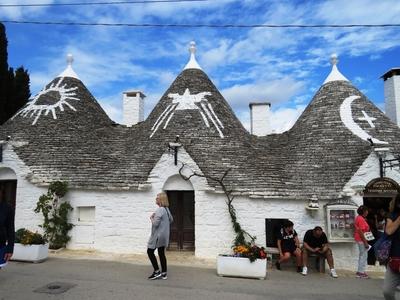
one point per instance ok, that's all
(9, 188)
(181, 205)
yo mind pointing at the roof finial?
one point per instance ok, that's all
(192, 48)
(192, 64)
(69, 72)
(70, 59)
(334, 59)
(335, 75)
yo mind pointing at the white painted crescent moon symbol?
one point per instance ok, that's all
(348, 121)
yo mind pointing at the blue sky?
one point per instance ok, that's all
(282, 66)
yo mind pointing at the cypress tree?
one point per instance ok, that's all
(14, 87)
(21, 89)
(4, 74)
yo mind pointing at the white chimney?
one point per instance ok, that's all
(391, 89)
(133, 107)
(260, 118)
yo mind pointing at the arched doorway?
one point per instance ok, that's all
(8, 185)
(378, 194)
(181, 203)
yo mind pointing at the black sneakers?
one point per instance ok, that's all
(155, 275)
(164, 275)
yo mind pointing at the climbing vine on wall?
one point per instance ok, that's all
(240, 233)
(55, 215)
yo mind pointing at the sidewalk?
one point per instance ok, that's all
(184, 258)
(98, 276)
(175, 258)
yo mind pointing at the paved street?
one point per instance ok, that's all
(96, 279)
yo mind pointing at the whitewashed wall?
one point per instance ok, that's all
(27, 193)
(122, 224)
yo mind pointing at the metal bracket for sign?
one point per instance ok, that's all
(1, 152)
(175, 146)
(388, 163)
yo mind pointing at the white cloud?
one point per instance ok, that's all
(281, 119)
(16, 13)
(275, 92)
(114, 112)
(284, 118)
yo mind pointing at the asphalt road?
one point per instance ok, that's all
(94, 279)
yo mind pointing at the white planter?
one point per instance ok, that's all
(241, 267)
(32, 253)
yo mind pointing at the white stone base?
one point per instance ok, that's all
(31, 253)
(241, 267)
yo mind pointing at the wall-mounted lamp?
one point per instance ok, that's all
(313, 203)
(175, 146)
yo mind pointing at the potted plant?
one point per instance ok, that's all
(55, 215)
(30, 246)
(248, 260)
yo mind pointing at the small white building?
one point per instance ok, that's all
(335, 158)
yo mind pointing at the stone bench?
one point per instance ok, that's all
(273, 255)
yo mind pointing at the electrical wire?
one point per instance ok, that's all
(204, 25)
(98, 3)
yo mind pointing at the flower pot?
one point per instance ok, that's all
(31, 253)
(241, 267)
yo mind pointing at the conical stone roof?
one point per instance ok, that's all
(193, 109)
(329, 141)
(60, 132)
(65, 135)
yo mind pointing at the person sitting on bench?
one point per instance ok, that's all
(288, 245)
(315, 241)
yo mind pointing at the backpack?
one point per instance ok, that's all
(382, 248)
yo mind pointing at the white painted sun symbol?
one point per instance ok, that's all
(191, 102)
(35, 109)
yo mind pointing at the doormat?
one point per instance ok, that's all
(55, 288)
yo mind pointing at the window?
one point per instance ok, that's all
(86, 213)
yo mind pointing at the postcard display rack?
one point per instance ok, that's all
(340, 220)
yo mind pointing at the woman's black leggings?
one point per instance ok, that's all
(153, 259)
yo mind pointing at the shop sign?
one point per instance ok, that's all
(382, 186)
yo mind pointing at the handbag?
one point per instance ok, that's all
(369, 236)
(382, 248)
(394, 264)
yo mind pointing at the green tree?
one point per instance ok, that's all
(22, 92)
(4, 74)
(14, 86)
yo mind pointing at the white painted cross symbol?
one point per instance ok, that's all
(368, 119)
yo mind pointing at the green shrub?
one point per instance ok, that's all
(55, 215)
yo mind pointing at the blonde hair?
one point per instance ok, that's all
(163, 199)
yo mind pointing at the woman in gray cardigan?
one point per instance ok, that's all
(161, 220)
